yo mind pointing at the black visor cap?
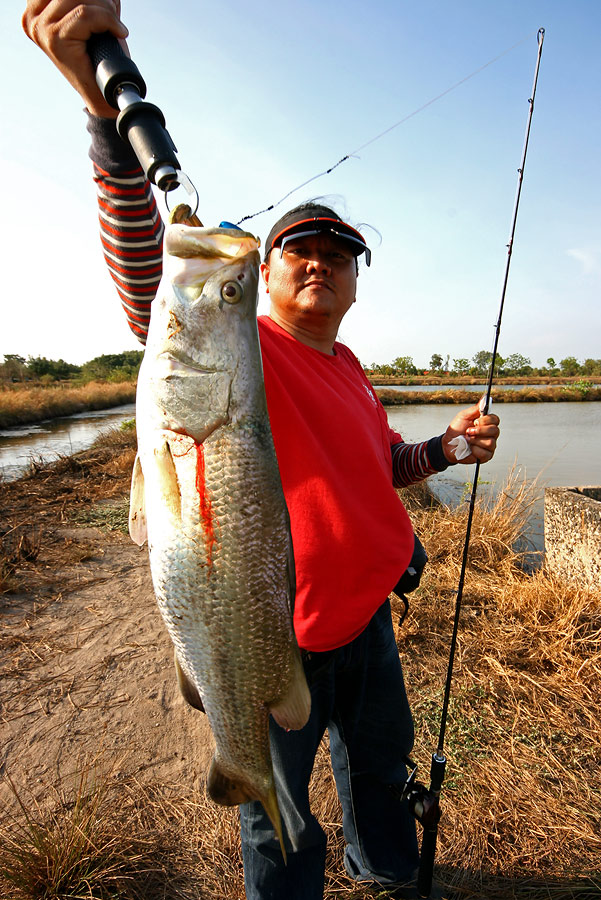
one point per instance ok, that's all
(316, 220)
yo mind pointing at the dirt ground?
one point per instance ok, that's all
(87, 685)
(86, 663)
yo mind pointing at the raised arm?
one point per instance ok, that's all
(131, 229)
(130, 225)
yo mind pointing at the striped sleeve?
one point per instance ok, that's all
(131, 232)
(131, 229)
(415, 462)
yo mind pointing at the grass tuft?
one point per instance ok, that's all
(75, 850)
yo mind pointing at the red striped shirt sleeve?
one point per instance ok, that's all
(131, 231)
(415, 462)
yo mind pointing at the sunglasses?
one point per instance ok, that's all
(334, 231)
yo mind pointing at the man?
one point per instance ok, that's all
(339, 462)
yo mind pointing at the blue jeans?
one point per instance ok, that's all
(358, 694)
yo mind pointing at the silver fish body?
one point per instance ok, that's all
(206, 494)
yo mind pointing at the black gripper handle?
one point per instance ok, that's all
(425, 874)
(140, 124)
(113, 67)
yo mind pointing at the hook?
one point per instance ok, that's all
(185, 182)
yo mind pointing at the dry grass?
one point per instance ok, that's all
(523, 787)
(574, 393)
(25, 405)
(522, 796)
(31, 549)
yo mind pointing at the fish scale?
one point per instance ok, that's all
(207, 495)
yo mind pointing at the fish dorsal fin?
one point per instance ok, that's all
(137, 510)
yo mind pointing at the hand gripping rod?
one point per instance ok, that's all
(437, 770)
(139, 123)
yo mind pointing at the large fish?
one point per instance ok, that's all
(206, 494)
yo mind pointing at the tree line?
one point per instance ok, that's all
(513, 365)
(111, 367)
(116, 367)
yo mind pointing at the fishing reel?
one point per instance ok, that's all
(425, 806)
(423, 802)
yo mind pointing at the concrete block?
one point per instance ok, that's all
(573, 533)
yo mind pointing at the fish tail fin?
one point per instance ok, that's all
(224, 790)
(270, 805)
(293, 709)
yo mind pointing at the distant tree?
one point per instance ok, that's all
(516, 364)
(482, 360)
(461, 366)
(569, 366)
(591, 367)
(404, 364)
(551, 368)
(381, 369)
(51, 369)
(13, 368)
(436, 362)
(113, 366)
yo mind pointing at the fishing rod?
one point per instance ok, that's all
(141, 124)
(425, 802)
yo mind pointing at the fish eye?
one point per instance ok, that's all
(231, 292)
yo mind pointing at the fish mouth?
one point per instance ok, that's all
(180, 363)
(194, 254)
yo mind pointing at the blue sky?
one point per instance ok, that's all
(260, 97)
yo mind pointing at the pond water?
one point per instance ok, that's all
(555, 443)
(56, 437)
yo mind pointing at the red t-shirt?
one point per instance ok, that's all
(351, 534)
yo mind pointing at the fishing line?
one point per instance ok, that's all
(390, 128)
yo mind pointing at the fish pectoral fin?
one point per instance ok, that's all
(169, 489)
(293, 710)
(137, 508)
(188, 690)
(227, 792)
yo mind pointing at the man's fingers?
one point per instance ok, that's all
(61, 28)
(51, 24)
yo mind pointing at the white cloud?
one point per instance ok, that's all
(588, 257)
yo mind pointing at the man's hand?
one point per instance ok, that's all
(481, 433)
(62, 27)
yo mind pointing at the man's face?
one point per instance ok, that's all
(315, 279)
